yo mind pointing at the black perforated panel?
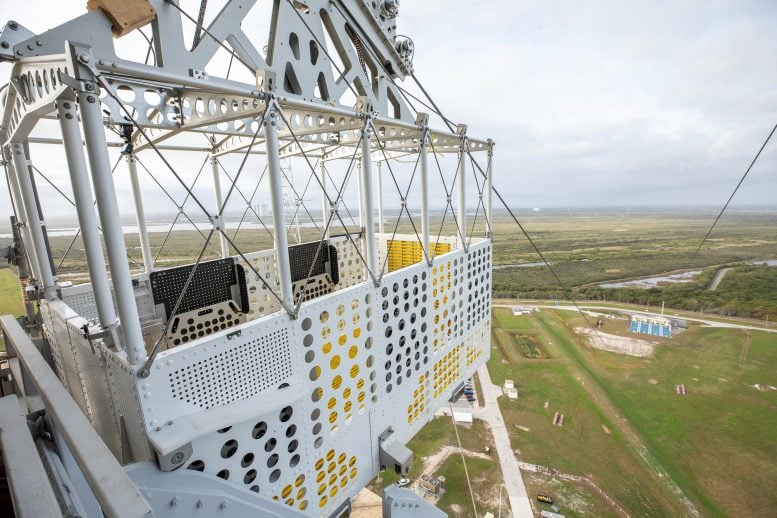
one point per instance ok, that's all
(302, 256)
(212, 283)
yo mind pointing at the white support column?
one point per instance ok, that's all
(140, 215)
(360, 189)
(490, 187)
(110, 219)
(32, 217)
(461, 197)
(271, 121)
(325, 207)
(381, 229)
(214, 164)
(22, 217)
(365, 194)
(423, 158)
(87, 219)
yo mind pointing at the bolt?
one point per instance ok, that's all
(223, 505)
(175, 501)
(30, 47)
(89, 86)
(13, 25)
(66, 105)
(68, 115)
(39, 43)
(200, 503)
(90, 98)
(4, 44)
(19, 53)
(83, 57)
(177, 458)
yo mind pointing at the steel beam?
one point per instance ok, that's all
(105, 191)
(461, 196)
(33, 220)
(424, 178)
(368, 216)
(87, 219)
(271, 121)
(214, 164)
(140, 215)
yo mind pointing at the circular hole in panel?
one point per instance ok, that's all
(291, 430)
(306, 323)
(259, 430)
(275, 475)
(229, 448)
(249, 477)
(224, 473)
(286, 414)
(247, 460)
(272, 460)
(270, 445)
(294, 460)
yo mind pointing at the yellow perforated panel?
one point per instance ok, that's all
(404, 253)
(446, 370)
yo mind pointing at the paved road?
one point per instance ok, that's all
(516, 490)
(710, 323)
(718, 277)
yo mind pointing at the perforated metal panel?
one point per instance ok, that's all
(80, 298)
(234, 374)
(350, 265)
(363, 360)
(211, 283)
(261, 300)
(189, 326)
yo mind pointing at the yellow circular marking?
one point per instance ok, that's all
(337, 381)
(333, 491)
(330, 455)
(331, 403)
(347, 406)
(323, 501)
(347, 393)
(342, 339)
(353, 351)
(334, 362)
(332, 417)
(354, 371)
(341, 458)
(320, 476)
(352, 461)
(360, 384)
(326, 347)
(301, 493)
(353, 473)
(286, 491)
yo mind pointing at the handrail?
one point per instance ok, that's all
(115, 492)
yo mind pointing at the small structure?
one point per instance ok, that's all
(510, 390)
(464, 418)
(430, 486)
(549, 514)
(651, 325)
(523, 310)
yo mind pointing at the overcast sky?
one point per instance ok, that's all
(595, 103)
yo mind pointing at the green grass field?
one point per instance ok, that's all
(715, 444)
(10, 297)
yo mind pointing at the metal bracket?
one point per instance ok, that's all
(11, 35)
(174, 460)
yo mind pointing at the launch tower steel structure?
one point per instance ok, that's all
(282, 380)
